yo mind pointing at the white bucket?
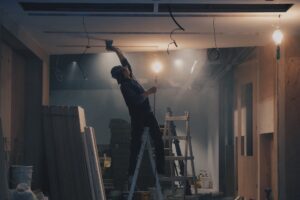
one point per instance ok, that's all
(21, 174)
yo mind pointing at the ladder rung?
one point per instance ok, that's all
(175, 137)
(179, 158)
(178, 178)
(177, 118)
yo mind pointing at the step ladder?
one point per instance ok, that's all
(145, 144)
(187, 156)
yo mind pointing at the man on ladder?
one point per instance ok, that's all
(141, 115)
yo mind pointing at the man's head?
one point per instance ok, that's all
(120, 73)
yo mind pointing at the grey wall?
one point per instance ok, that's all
(178, 89)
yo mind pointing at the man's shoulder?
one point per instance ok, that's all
(126, 83)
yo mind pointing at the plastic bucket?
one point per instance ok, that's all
(20, 174)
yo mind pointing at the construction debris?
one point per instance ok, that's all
(71, 154)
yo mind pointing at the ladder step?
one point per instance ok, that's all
(179, 158)
(177, 118)
(175, 137)
(177, 178)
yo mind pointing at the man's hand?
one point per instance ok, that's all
(150, 91)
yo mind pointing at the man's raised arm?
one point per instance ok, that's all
(120, 55)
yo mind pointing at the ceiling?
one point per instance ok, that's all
(63, 32)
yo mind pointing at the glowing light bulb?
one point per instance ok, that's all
(157, 67)
(277, 36)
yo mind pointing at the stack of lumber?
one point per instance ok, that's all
(3, 169)
(71, 154)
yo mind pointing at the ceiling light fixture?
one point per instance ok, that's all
(214, 53)
(157, 67)
(277, 38)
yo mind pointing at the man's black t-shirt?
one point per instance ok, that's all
(136, 102)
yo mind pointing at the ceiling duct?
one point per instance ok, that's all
(86, 7)
(149, 7)
(224, 8)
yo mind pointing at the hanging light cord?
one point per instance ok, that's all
(215, 37)
(86, 47)
(179, 28)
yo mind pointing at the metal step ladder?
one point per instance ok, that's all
(145, 144)
(183, 160)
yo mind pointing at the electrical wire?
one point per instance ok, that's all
(173, 40)
(86, 32)
(57, 71)
(86, 47)
(215, 37)
(173, 18)
(179, 28)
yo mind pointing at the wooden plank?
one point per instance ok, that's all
(177, 178)
(179, 158)
(175, 137)
(3, 169)
(177, 118)
(61, 142)
(6, 93)
(33, 152)
(66, 158)
(54, 186)
(94, 164)
(18, 108)
(78, 120)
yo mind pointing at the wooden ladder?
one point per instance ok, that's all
(187, 156)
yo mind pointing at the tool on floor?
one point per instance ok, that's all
(170, 138)
(145, 144)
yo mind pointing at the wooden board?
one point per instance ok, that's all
(3, 170)
(71, 162)
(93, 163)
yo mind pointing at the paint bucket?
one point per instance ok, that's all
(20, 174)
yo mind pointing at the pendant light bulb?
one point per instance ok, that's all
(277, 36)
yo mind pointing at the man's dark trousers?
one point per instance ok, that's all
(138, 122)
